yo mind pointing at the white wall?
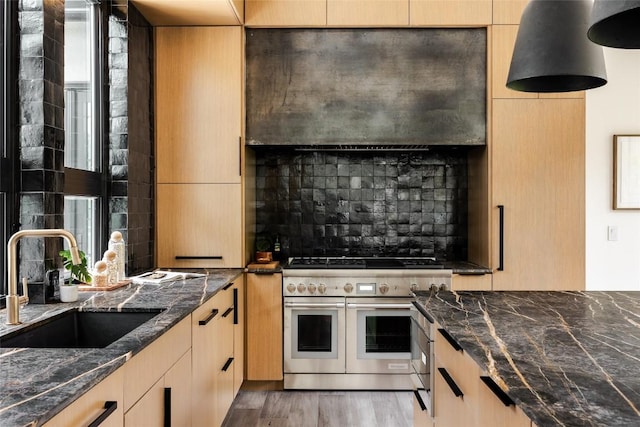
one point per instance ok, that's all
(612, 109)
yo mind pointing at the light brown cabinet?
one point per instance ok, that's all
(199, 225)
(450, 13)
(105, 396)
(461, 395)
(264, 326)
(238, 334)
(285, 13)
(368, 13)
(538, 179)
(198, 104)
(421, 417)
(471, 282)
(213, 358)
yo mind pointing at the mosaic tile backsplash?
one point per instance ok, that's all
(363, 204)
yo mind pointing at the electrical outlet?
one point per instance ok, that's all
(612, 233)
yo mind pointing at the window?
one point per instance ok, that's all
(85, 191)
(8, 73)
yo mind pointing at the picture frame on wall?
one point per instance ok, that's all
(626, 172)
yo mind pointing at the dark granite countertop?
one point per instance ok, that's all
(565, 358)
(466, 267)
(39, 383)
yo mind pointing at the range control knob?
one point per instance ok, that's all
(384, 288)
(322, 288)
(414, 287)
(311, 288)
(291, 288)
(433, 287)
(301, 288)
(444, 287)
(348, 288)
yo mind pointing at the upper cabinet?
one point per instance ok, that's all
(450, 13)
(367, 12)
(508, 11)
(198, 104)
(285, 13)
(192, 12)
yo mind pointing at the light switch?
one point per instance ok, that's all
(612, 233)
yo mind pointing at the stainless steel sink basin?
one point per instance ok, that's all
(78, 329)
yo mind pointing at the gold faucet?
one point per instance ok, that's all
(13, 299)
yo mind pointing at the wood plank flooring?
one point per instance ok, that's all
(321, 409)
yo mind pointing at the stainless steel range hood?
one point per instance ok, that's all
(366, 89)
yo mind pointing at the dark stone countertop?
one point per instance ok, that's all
(38, 383)
(466, 267)
(566, 358)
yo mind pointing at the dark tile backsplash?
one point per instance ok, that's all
(363, 204)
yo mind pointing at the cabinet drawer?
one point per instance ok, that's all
(471, 282)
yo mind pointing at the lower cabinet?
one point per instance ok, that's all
(471, 282)
(102, 402)
(421, 417)
(462, 393)
(214, 361)
(264, 327)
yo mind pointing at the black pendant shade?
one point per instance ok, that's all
(616, 23)
(552, 52)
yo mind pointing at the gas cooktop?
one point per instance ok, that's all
(363, 263)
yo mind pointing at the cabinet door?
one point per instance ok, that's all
(149, 410)
(199, 104)
(208, 330)
(538, 177)
(450, 12)
(91, 405)
(178, 381)
(286, 13)
(238, 335)
(199, 225)
(225, 368)
(421, 417)
(368, 12)
(508, 11)
(264, 327)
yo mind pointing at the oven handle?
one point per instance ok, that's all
(314, 304)
(407, 306)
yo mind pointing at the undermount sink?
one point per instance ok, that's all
(78, 329)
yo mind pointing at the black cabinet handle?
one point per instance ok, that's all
(109, 408)
(501, 239)
(264, 272)
(423, 407)
(198, 257)
(227, 286)
(504, 398)
(227, 312)
(227, 364)
(450, 340)
(452, 384)
(167, 407)
(235, 305)
(240, 155)
(209, 318)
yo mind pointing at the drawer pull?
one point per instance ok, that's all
(227, 286)
(500, 394)
(450, 382)
(109, 408)
(235, 304)
(167, 407)
(209, 318)
(227, 312)
(450, 340)
(501, 239)
(423, 407)
(227, 364)
(179, 257)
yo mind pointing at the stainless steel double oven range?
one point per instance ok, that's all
(348, 321)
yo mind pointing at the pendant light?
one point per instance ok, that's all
(552, 52)
(616, 23)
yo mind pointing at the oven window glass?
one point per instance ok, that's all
(314, 334)
(388, 334)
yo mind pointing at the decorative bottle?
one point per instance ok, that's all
(110, 257)
(116, 244)
(277, 248)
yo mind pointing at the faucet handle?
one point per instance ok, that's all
(24, 299)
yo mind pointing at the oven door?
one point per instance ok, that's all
(314, 335)
(379, 335)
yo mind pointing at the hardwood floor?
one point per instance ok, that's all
(321, 409)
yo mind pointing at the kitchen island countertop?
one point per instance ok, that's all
(37, 383)
(566, 358)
